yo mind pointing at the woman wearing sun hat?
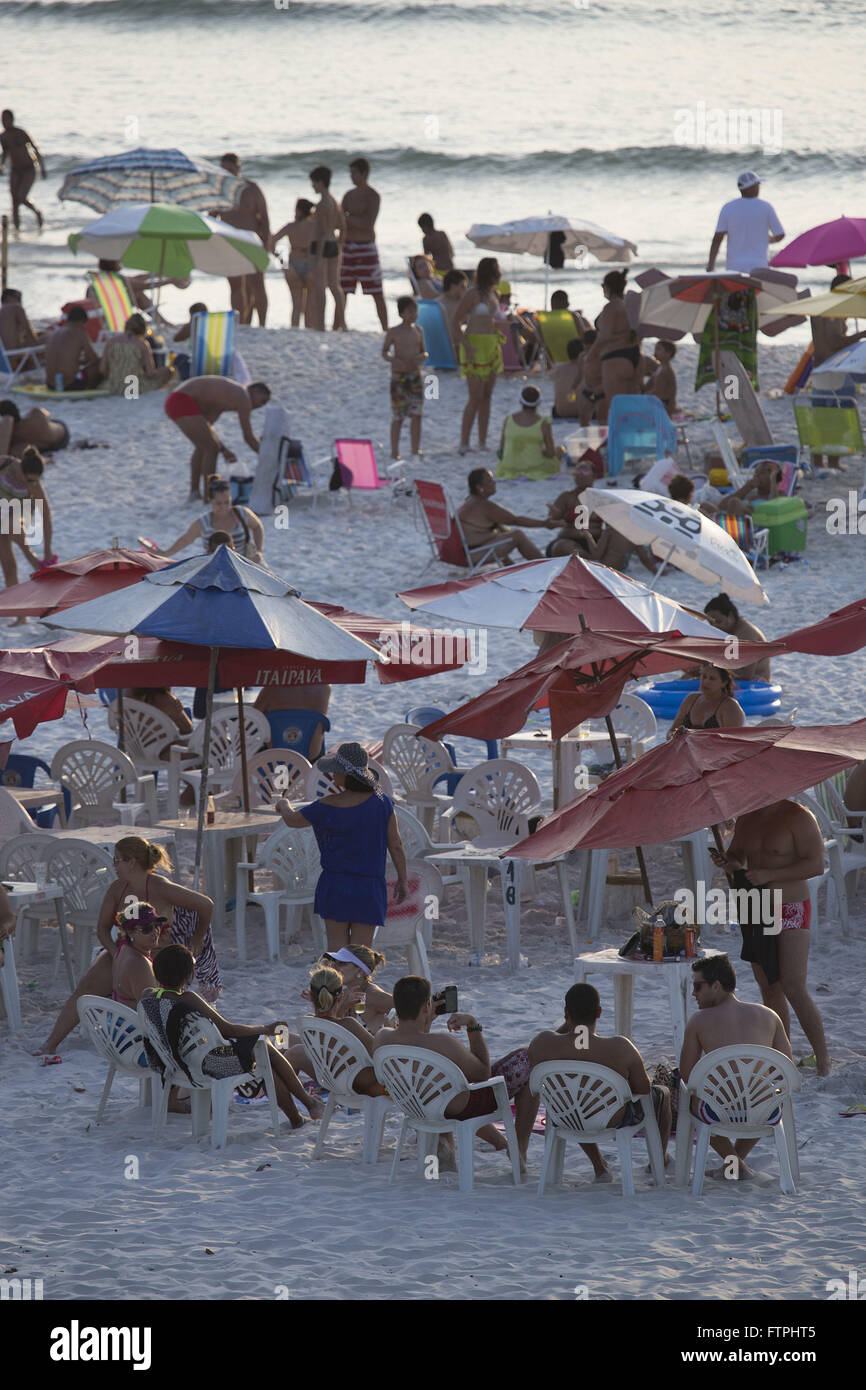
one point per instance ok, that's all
(355, 827)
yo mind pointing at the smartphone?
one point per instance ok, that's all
(446, 1000)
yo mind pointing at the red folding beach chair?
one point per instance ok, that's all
(444, 532)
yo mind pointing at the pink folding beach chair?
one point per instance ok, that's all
(356, 459)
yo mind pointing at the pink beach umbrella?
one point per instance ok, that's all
(829, 244)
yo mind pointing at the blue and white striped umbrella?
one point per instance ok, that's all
(151, 176)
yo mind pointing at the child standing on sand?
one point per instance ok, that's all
(407, 389)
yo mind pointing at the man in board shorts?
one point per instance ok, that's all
(196, 404)
(360, 257)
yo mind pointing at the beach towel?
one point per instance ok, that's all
(275, 428)
(738, 332)
(39, 388)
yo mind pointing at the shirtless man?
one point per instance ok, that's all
(723, 1020)
(483, 520)
(69, 354)
(575, 1040)
(416, 1010)
(248, 292)
(18, 432)
(663, 382)
(360, 260)
(568, 383)
(591, 392)
(436, 244)
(194, 405)
(780, 846)
(329, 227)
(16, 330)
(23, 157)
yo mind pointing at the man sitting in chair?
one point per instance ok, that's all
(484, 521)
(416, 1009)
(575, 1040)
(723, 1020)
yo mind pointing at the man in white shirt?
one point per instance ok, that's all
(750, 224)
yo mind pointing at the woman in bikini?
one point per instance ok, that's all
(333, 999)
(480, 341)
(617, 345)
(297, 272)
(244, 527)
(713, 707)
(190, 914)
(140, 928)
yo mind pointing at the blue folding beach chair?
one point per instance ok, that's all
(638, 427)
(437, 339)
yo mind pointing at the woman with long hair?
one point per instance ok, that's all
(300, 263)
(480, 341)
(244, 527)
(713, 707)
(617, 344)
(188, 913)
(333, 999)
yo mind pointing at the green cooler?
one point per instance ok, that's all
(785, 519)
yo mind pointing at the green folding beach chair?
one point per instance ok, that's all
(827, 429)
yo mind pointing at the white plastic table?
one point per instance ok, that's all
(227, 826)
(477, 858)
(22, 895)
(567, 754)
(676, 974)
(32, 797)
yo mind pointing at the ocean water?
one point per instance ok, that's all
(638, 117)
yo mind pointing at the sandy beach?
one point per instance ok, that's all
(263, 1221)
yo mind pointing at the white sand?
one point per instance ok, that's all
(333, 1228)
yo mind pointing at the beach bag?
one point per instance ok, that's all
(663, 915)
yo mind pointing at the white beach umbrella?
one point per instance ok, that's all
(530, 236)
(678, 535)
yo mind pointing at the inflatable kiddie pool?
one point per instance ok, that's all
(665, 697)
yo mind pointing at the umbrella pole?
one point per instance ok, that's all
(245, 802)
(202, 798)
(641, 862)
(121, 735)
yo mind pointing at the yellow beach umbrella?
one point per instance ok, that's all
(837, 304)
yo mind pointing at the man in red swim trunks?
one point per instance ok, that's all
(413, 1002)
(781, 847)
(196, 404)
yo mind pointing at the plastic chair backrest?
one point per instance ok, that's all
(93, 771)
(336, 1054)
(225, 743)
(837, 428)
(212, 335)
(115, 1032)
(357, 460)
(146, 730)
(19, 854)
(319, 783)
(416, 762)
(402, 920)
(416, 841)
(579, 1096)
(498, 794)
(637, 427)
(292, 855)
(437, 339)
(744, 1084)
(295, 728)
(421, 1082)
(421, 715)
(273, 773)
(14, 820)
(557, 328)
(634, 716)
(83, 870)
(20, 770)
(442, 523)
(198, 1037)
(107, 695)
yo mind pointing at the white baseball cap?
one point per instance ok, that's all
(748, 180)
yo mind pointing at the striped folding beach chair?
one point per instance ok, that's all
(113, 298)
(212, 336)
(753, 543)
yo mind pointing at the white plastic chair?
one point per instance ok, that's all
(116, 1034)
(416, 764)
(579, 1098)
(409, 924)
(207, 1093)
(417, 843)
(744, 1085)
(422, 1084)
(838, 864)
(499, 795)
(337, 1057)
(224, 754)
(593, 868)
(272, 773)
(14, 820)
(94, 774)
(633, 716)
(292, 856)
(18, 859)
(319, 784)
(84, 871)
(147, 732)
(851, 838)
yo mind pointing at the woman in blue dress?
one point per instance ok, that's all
(355, 827)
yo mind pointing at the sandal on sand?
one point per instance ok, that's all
(853, 1111)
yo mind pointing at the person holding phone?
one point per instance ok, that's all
(416, 1007)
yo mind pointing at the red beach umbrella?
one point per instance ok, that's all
(841, 632)
(77, 581)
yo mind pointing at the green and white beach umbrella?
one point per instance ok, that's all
(170, 241)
